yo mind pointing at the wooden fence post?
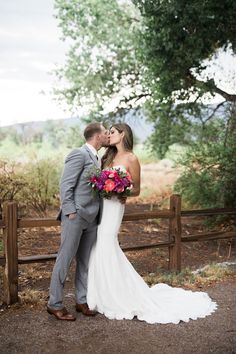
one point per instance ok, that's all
(175, 233)
(11, 253)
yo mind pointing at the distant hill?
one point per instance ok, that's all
(140, 127)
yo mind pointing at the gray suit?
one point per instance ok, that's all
(79, 234)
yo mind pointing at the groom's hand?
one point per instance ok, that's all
(72, 216)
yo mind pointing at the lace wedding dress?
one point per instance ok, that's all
(116, 290)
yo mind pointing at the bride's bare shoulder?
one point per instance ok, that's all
(132, 158)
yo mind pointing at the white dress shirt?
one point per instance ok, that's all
(94, 151)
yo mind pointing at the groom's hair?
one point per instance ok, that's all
(92, 129)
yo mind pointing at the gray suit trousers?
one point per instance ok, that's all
(77, 238)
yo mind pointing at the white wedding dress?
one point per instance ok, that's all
(116, 290)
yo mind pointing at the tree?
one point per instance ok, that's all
(101, 64)
(154, 52)
(178, 36)
(74, 137)
(210, 169)
(178, 40)
(158, 55)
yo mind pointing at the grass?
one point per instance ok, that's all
(10, 151)
(33, 297)
(35, 272)
(175, 152)
(157, 181)
(13, 152)
(145, 156)
(30, 274)
(187, 278)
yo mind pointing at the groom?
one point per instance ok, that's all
(79, 217)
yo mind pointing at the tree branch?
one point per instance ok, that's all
(134, 97)
(214, 111)
(228, 97)
(211, 86)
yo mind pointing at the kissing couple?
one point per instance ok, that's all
(105, 281)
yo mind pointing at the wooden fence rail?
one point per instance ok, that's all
(11, 223)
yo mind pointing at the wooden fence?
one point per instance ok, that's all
(11, 223)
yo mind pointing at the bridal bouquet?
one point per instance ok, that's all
(111, 182)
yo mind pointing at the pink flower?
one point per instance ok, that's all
(109, 185)
(113, 174)
(93, 179)
(120, 189)
(128, 176)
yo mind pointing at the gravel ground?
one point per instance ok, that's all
(30, 330)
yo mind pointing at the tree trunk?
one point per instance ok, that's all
(230, 178)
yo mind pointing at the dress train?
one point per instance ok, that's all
(116, 290)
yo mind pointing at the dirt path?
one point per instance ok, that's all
(25, 330)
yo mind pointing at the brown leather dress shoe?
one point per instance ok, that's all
(85, 310)
(62, 314)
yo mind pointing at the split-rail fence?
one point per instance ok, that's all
(11, 223)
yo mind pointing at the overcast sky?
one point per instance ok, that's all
(29, 49)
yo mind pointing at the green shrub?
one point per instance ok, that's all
(41, 191)
(12, 182)
(34, 185)
(209, 177)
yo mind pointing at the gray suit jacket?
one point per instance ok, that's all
(76, 194)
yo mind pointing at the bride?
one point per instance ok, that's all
(115, 289)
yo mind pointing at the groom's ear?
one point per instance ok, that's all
(98, 136)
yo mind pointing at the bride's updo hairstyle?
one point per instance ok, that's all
(128, 142)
